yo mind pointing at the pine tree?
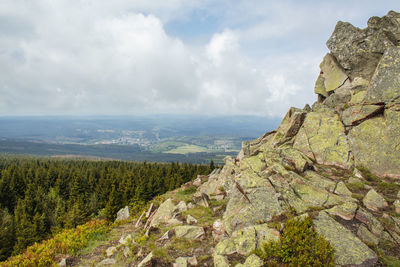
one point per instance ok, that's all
(113, 205)
(7, 237)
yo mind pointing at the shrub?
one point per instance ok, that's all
(299, 245)
(67, 242)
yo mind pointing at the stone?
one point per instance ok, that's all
(341, 189)
(192, 261)
(225, 247)
(220, 261)
(366, 236)
(348, 249)
(333, 75)
(202, 200)
(251, 261)
(296, 158)
(189, 231)
(396, 205)
(108, 262)
(346, 211)
(322, 137)
(265, 234)
(385, 84)
(358, 97)
(339, 99)
(370, 221)
(167, 235)
(181, 262)
(174, 221)
(240, 213)
(123, 214)
(374, 144)
(319, 181)
(244, 240)
(354, 115)
(197, 182)
(289, 126)
(190, 219)
(313, 196)
(319, 87)
(374, 201)
(190, 205)
(110, 251)
(358, 51)
(146, 261)
(212, 186)
(125, 239)
(164, 213)
(63, 263)
(181, 206)
(218, 227)
(353, 180)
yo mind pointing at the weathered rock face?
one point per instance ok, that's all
(307, 166)
(360, 83)
(337, 163)
(358, 51)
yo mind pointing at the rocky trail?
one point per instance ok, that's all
(337, 162)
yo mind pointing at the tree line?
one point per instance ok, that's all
(41, 196)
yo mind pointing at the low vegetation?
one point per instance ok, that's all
(299, 245)
(69, 241)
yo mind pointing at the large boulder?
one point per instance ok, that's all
(247, 198)
(385, 84)
(164, 213)
(332, 76)
(289, 126)
(375, 144)
(374, 201)
(348, 249)
(123, 214)
(358, 51)
(322, 138)
(189, 231)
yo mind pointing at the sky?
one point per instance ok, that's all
(137, 57)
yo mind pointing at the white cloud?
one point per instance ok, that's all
(116, 57)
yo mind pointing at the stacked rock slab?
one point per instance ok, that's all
(354, 123)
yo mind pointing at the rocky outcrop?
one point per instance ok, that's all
(307, 165)
(337, 163)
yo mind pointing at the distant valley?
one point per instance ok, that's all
(165, 138)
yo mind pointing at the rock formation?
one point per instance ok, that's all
(313, 160)
(337, 163)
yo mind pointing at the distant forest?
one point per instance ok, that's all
(41, 196)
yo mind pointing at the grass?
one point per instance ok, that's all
(389, 261)
(186, 194)
(95, 241)
(355, 187)
(165, 146)
(186, 149)
(183, 245)
(162, 253)
(388, 188)
(204, 216)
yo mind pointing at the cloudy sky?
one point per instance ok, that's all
(91, 57)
